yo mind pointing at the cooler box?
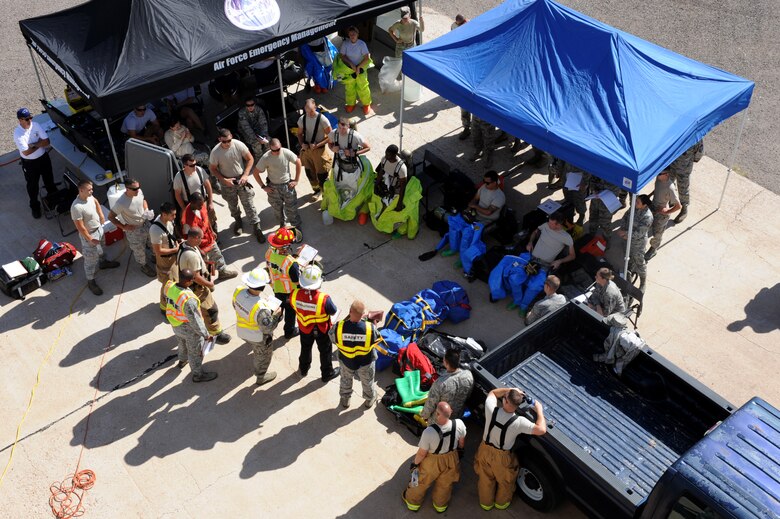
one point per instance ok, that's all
(110, 231)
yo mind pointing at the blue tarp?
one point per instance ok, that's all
(604, 100)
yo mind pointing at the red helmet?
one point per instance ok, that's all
(282, 238)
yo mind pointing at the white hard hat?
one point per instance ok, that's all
(310, 277)
(257, 278)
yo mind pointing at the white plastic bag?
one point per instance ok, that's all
(389, 75)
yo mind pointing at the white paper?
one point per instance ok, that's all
(307, 254)
(610, 200)
(15, 269)
(549, 206)
(208, 345)
(274, 303)
(573, 180)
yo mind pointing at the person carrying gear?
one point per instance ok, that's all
(355, 339)
(351, 182)
(184, 313)
(190, 258)
(313, 131)
(438, 461)
(284, 272)
(351, 68)
(314, 310)
(495, 463)
(256, 320)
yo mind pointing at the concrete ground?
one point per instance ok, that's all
(162, 446)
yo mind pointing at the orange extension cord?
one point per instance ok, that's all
(67, 496)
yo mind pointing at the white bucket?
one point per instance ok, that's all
(114, 192)
(412, 91)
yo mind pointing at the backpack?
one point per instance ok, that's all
(51, 255)
(415, 315)
(411, 359)
(456, 298)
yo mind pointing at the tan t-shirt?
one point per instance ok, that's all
(86, 211)
(193, 183)
(229, 162)
(192, 260)
(157, 236)
(277, 165)
(311, 122)
(130, 210)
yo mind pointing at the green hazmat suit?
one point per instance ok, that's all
(333, 201)
(406, 221)
(354, 88)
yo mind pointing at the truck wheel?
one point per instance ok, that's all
(538, 485)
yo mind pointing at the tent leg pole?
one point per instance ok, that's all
(733, 157)
(119, 174)
(401, 114)
(632, 212)
(281, 93)
(419, 15)
(37, 74)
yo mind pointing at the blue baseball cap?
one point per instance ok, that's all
(23, 113)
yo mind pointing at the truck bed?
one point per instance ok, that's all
(632, 428)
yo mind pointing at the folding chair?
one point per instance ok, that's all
(633, 297)
(56, 204)
(431, 171)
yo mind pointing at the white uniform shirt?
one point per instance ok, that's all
(520, 426)
(23, 138)
(137, 124)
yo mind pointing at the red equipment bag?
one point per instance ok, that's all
(595, 247)
(411, 358)
(51, 255)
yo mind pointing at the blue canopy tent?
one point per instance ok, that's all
(606, 101)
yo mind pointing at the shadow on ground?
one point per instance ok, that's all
(762, 313)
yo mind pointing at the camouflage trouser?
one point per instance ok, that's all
(208, 309)
(215, 256)
(465, 119)
(164, 264)
(636, 258)
(232, 194)
(138, 239)
(92, 253)
(659, 226)
(683, 181)
(366, 376)
(190, 345)
(599, 218)
(284, 202)
(400, 47)
(261, 355)
(484, 136)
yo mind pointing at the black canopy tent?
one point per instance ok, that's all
(119, 53)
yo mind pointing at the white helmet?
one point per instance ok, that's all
(310, 277)
(257, 278)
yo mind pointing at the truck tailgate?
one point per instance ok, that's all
(630, 438)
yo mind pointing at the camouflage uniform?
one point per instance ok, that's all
(609, 297)
(643, 222)
(361, 364)
(599, 217)
(680, 172)
(208, 306)
(576, 197)
(93, 254)
(215, 256)
(284, 202)
(453, 388)
(262, 351)
(664, 197)
(190, 337)
(484, 138)
(138, 239)
(250, 125)
(232, 194)
(260, 340)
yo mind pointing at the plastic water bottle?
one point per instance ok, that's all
(415, 477)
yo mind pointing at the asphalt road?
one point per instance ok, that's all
(736, 36)
(740, 37)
